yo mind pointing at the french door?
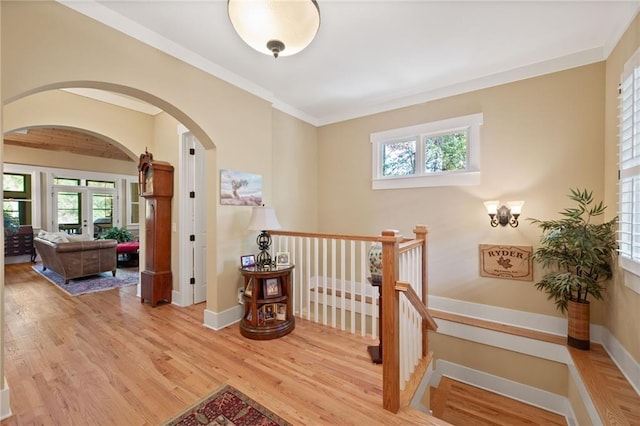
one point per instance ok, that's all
(89, 211)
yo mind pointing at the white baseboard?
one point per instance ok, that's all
(430, 378)
(625, 362)
(219, 320)
(5, 405)
(177, 298)
(584, 395)
(537, 348)
(531, 321)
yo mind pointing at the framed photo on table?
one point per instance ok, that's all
(281, 311)
(282, 258)
(269, 312)
(271, 288)
(248, 261)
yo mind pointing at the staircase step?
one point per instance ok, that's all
(461, 404)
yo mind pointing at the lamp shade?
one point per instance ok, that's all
(515, 206)
(492, 206)
(275, 27)
(262, 219)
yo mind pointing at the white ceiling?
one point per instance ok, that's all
(372, 56)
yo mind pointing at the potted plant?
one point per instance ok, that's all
(578, 257)
(115, 233)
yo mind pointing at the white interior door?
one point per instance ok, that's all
(200, 226)
(193, 226)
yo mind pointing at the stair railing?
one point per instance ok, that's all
(330, 286)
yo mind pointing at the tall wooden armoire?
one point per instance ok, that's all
(156, 187)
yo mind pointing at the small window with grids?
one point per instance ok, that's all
(438, 153)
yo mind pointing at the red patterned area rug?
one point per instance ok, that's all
(229, 407)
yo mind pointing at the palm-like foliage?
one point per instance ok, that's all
(578, 254)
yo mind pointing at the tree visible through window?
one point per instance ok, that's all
(445, 152)
(438, 153)
(69, 208)
(17, 197)
(399, 158)
(14, 183)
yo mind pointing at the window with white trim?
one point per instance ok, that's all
(439, 153)
(629, 166)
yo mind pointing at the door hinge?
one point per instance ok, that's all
(192, 237)
(192, 151)
(192, 280)
(192, 194)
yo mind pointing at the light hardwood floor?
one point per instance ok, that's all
(106, 359)
(462, 404)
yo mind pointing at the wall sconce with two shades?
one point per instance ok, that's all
(504, 215)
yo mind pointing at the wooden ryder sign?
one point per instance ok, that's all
(508, 262)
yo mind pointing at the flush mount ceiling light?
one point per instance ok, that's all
(275, 27)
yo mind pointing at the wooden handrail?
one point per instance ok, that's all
(413, 297)
(337, 236)
(409, 244)
(327, 236)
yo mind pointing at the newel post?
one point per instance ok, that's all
(421, 231)
(390, 333)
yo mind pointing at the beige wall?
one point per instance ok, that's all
(532, 132)
(295, 159)
(622, 304)
(129, 130)
(528, 370)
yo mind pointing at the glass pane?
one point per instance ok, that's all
(11, 210)
(66, 181)
(102, 211)
(69, 212)
(18, 210)
(134, 213)
(133, 192)
(445, 153)
(101, 184)
(13, 183)
(399, 158)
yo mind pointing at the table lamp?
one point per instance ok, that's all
(263, 219)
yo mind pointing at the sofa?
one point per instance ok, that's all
(75, 257)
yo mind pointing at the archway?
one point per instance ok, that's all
(132, 131)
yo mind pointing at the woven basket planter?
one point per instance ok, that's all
(578, 316)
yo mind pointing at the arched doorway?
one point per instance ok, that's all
(128, 132)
